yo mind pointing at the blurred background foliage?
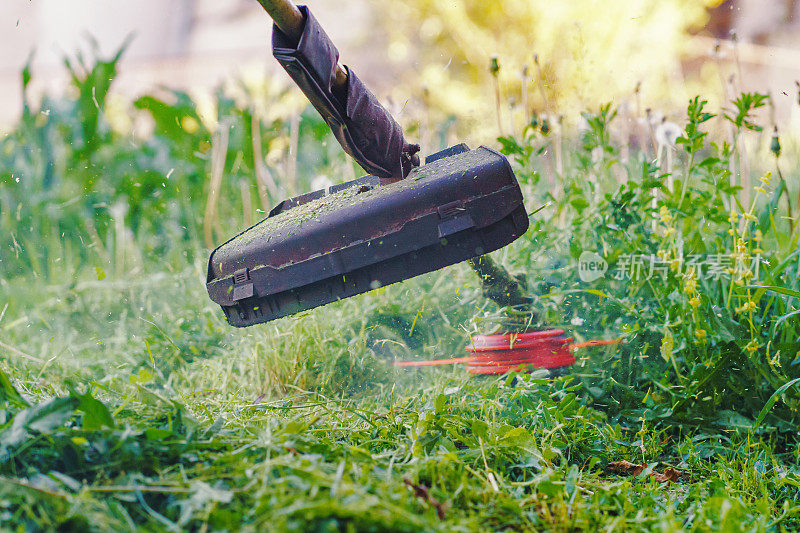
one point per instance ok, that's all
(577, 54)
(431, 60)
(95, 179)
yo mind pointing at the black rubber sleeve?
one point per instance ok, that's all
(364, 128)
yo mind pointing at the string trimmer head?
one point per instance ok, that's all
(328, 245)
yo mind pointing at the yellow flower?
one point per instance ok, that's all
(730, 231)
(752, 346)
(675, 264)
(662, 254)
(766, 178)
(733, 218)
(669, 232)
(747, 307)
(694, 302)
(701, 336)
(758, 236)
(741, 244)
(760, 189)
(750, 216)
(690, 286)
(666, 218)
(189, 125)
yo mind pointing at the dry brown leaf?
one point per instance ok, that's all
(626, 467)
(669, 474)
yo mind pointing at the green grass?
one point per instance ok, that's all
(127, 402)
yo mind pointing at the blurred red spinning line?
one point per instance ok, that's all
(498, 354)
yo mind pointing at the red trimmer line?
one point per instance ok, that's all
(498, 354)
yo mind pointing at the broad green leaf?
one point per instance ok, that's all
(572, 479)
(95, 413)
(9, 393)
(772, 400)
(667, 344)
(440, 402)
(515, 435)
(479, 428)
(734, 420)
(780, 290)
(41, 418)
(786, 317)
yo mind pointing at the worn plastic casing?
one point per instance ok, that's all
(327, 245)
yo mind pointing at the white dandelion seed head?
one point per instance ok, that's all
(655, 117)
(667, 133)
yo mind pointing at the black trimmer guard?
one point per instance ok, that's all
(327, 245)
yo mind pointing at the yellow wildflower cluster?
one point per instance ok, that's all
(741, 260)
(747, 307)
(744, 248)
(765, 181)
(752, 346)
(666, 219)
(701, 336)
(774, 359)
(690, 282)
(758, 237)
(733, 219)
(690, 289)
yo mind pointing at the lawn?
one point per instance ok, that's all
(127, 402)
